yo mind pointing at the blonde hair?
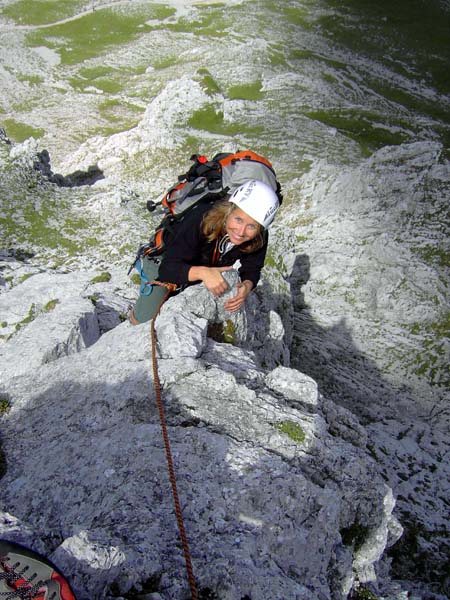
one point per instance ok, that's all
(214, 221)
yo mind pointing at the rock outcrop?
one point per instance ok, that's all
(279, 495)
(370, 295)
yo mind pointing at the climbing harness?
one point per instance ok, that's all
(179, 515)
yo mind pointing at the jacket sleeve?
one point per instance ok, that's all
(183, 252)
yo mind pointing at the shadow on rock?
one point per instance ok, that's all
(408, 446)
(75, 179)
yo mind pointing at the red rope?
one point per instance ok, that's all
(173, 483)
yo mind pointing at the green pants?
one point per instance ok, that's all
(150, 297)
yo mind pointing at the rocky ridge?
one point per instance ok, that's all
(65, 339)
(279, 494)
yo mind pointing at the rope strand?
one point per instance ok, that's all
(173, 483)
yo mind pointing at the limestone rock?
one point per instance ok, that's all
(273, 502)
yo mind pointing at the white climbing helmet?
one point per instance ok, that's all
(257, 200)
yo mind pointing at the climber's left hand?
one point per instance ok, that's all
(243, 290)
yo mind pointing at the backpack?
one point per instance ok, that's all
(206, 181)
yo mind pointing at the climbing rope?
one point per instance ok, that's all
(170, 288)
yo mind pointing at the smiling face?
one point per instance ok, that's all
(240, 227)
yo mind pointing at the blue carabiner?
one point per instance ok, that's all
(146, 287)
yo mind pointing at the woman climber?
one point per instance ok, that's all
(209, 241)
